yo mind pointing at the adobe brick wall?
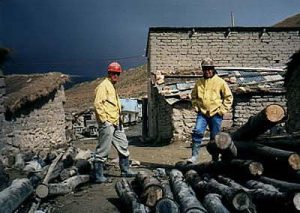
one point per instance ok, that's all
(175, 49)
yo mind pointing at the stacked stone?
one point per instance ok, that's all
(2, 109)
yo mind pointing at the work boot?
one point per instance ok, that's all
(124, 166)
(195, 153)
(98, 170)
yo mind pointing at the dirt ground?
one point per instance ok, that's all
(103, 197)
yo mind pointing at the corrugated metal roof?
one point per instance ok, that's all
(239, 80)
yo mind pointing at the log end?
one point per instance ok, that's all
(296, 201)
(151, 195)
(256, 168)
(294, 161)
(42, 191)
(241, 201)
(166, 205)
(223, 140)
(275, 113)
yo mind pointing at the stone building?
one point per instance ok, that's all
(292, 85)
(174, 53)
(2, 93)
(3, 54)
(34, 112)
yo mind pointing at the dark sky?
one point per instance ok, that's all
(82, 36)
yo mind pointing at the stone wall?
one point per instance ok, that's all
(2, 93)
(172, 49)
(246, 106)
(39, 125)
(179, 49)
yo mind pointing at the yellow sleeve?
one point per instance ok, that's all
(227, 98)
(100, 99)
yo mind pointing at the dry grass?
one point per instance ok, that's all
(22, 89)
(293, 21)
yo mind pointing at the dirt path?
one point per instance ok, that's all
(103, 197)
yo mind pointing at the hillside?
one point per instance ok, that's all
(132, 84)
(293, 21)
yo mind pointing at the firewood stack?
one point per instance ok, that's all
(251, 173)
(59, 173)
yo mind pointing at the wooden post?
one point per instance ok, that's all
(15, 194)
(260, 123)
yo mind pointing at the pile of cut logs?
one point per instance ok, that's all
(249, 173)
(58, 173)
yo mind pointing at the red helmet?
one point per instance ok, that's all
(114, 67)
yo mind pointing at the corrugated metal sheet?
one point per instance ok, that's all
(239, 80)
(130, 105)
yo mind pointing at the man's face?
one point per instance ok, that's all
(208, 72)
(114, 76)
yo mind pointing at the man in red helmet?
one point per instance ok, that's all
(108, 109)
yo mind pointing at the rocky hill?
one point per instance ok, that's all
(132, 84)
(293, 21)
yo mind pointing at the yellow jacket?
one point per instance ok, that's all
(107, 103)
(211, 96)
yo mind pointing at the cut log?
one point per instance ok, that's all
(81, 167)
(167, 202)
(231, 183)
(67, 173)
(15, 194)
(52, 168)
(260, 123)
(225, 146)
(64, 187)
(235, 199)
(268, 198)
(129, 197)
(152, 189)
(213, 203)
(43, 187)
(267, 155)
(283, 186)
(292, 145)
(254, 184)
(69, 156)
(234, 168)
(184, 195)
